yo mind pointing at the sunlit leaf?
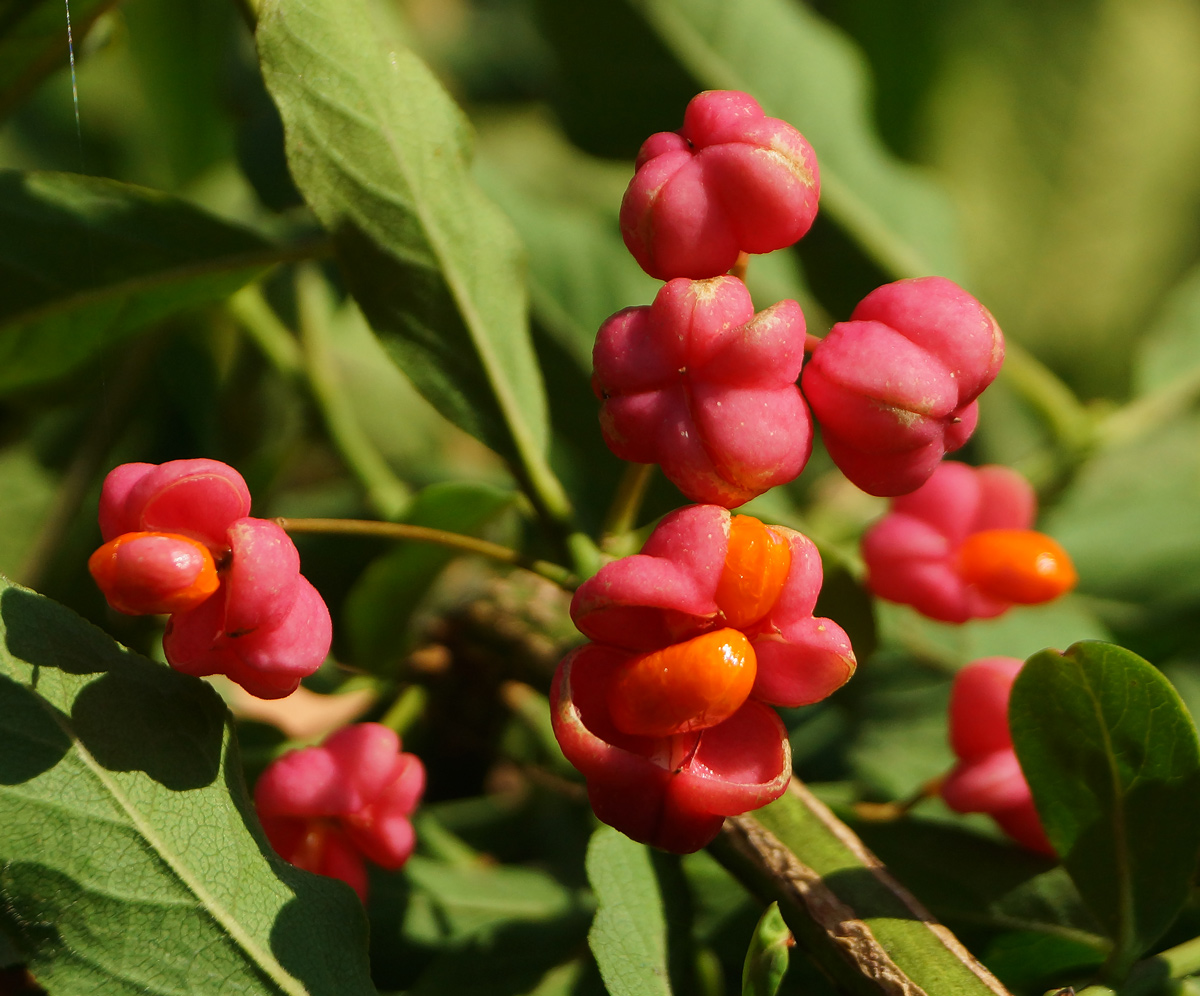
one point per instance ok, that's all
(382, 156)
(130, 858)
(629, 934)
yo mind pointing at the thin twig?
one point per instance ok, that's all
(423, 534)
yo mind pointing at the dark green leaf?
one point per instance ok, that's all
(767, 956)
(629, 934)
(969, 881)
(1171, 348)
(382, 154)
(1113, 761)
(802, 69)
(381, 603)
(85, 262)
(130, 858)
(33, 42)
(26, 490)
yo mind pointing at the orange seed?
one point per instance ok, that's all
(688, 686)
(756, 567)
(1017, 565)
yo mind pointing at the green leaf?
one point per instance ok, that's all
(767, 957)
(1170, 350)
(86, 262)
(901, 929)
(1113, 761)
(382, 154)
(26, 490)
(33, 42)
(1129, 520)
(380, 605)
(802, 69)
(1019, 632)
(564, 205)
(130, 858)
(629, 935)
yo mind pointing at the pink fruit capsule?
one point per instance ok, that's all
(699, 383)
(730, 180)
(894, 388)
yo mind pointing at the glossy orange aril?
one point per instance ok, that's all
(756, 566)
(688, 686)
(1017, 565)
(149, 573)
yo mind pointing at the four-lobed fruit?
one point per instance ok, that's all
(170, 532)
(667, 713)
(730, 180)
(988, 777)
(325, 809)
(960, 547)
(894, 388)
(699, 383)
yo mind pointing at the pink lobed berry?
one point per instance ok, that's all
(699, 383)
(960, 547)
(988, 777)
(171, 531)
(325, 809)
(730, 180)
(698, 741)
(894, 388)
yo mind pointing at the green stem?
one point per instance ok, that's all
(423, 534)
(627, 503)
(861, 927)
(406, 710)
(1147, 977)
(1042, 388)
(273, 339)
(386, 493)
(1139, 417)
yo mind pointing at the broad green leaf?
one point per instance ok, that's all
(507, 926)
(802, 69)
(33, 42)
(382, 156)
(382, 601)
(767, 957)
(1129, 519)
(484, 896)
(900, 703)
(1113, 761)
(564, 205)
(629, 935)
(86, 262)
(1019, 632)
(130, 858)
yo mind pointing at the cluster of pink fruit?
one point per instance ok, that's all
(666, 712)
(179, 541)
